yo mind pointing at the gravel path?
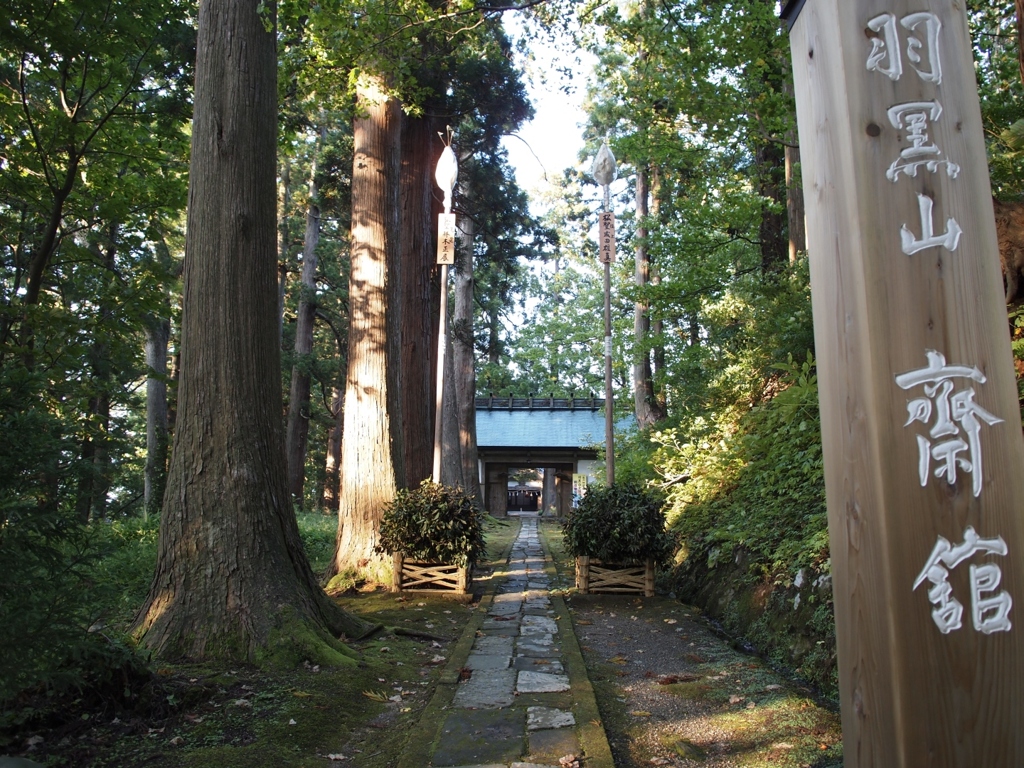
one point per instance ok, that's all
(672, 693)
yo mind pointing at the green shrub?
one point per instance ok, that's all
(623, 523)
(433, 523)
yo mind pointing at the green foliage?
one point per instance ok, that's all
(624, 523)
(433, 523)
(66, 591)
(752, 482)
(318, 532)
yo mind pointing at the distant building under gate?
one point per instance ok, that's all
(562, 436)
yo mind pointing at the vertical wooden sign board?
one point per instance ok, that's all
(446, 238)
(924, 459)
(606, 237)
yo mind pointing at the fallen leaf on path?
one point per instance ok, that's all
(301, 694)
(736, 699)
(618, 660)
(640, 713)
(376, 695)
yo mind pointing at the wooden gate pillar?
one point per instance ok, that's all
(921, 428)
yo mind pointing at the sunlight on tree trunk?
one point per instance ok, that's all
(370, 444)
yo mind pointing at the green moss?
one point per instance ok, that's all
(294, 641)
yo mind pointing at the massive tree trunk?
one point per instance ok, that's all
(298, 398)
(158, 334)
(371, 449)
(420, 293)
(645, 405)
(464, 363)
(232, 581)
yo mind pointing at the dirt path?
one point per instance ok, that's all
(672, 693)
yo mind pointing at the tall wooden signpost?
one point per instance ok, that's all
(924, 458)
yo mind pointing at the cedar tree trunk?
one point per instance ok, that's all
(371, 449)
(232, 581)
(158, 334)
(645, 405)
(421, 293)
(298, 398)
(463, 341)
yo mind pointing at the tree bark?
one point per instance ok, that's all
(451, 446)
(298, 399)
(421, 293)
(645, 406)
(232, 580)
(464, 362)
(371, 449)
(1020, 38)
(158, 334)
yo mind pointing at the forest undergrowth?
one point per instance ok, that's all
(97, 701)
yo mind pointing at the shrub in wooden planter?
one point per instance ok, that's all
(618, 536)
(435, 534)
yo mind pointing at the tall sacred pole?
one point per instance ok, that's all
(604, 174)
(921, 430)
(445, 174)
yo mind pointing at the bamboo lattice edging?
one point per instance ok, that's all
(413, 576)
(593, 577)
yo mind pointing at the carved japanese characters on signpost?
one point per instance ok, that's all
(921, 438)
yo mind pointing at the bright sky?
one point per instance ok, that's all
(552, 140)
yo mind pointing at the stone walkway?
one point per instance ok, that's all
(516, 708)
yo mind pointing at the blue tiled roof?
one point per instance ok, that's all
(541, 428)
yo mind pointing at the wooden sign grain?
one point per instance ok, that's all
(921, 428)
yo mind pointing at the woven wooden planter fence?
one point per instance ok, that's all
(438, 578)
(595, 577)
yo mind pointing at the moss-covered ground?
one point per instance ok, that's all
(309, 716)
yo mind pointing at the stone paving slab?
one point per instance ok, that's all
(543, 718)
(533, 664)
(541, 682)
(486, 661)
(493, 644)
(480, 736)
(549, 745)
(487, 689)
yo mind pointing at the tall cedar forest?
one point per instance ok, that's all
(219, 305)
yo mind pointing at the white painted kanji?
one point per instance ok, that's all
(915, 119)
(949, 239)
(953, 441)
(989, 613)
(922, 49)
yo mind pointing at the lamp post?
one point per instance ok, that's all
(445, 174)
(603, 172)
